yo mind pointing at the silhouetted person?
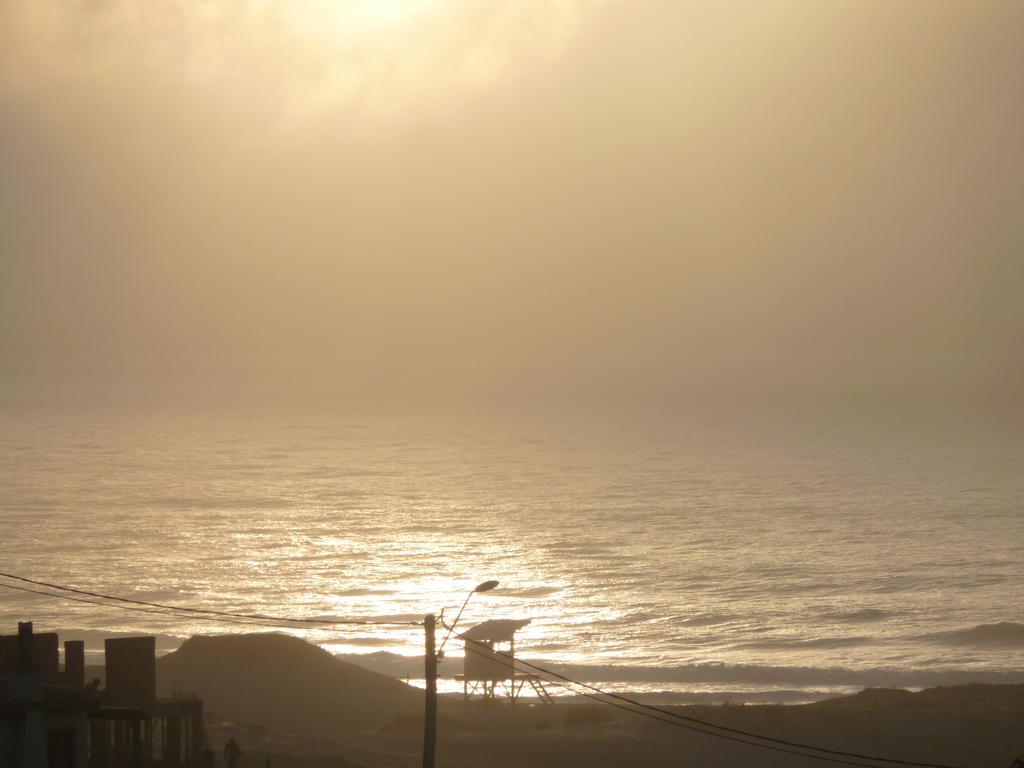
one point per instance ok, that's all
(231, 753)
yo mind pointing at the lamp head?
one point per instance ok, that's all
(486, 586)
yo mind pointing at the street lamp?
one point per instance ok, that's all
(485, 586)
(430, 658)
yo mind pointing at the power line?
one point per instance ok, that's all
(693, 720)
(738, 731)
(277, 621)
(670, 721)
(156, 612)
(166, 614)
(652, 716)
(697, 721)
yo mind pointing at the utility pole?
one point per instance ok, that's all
(430, 706)
(430, 656)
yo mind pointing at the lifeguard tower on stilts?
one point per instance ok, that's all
(489, 671)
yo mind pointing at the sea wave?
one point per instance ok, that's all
(528, 592)
(864, 615)
(707, 621)
(817, 642)
(1003, 634)
(780, 675)
(717, 675)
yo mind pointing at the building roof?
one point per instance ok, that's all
(495, 630)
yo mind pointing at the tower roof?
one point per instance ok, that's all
(495, 630)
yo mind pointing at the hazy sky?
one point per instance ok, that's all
(648, 199)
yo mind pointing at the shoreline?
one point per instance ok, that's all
(695, 684)
(700, 682)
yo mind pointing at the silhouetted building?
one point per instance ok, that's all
(41, 724)
(74, 663)
(45, 658)
(131, 672)
(172, 731)
(50, 718)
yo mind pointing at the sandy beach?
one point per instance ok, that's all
(293, 704)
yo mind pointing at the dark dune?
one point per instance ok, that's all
(285, 683)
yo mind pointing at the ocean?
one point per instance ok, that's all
(683, 558)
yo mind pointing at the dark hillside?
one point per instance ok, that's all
(285, 683)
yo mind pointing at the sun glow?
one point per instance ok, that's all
(279, 67)
(356, 17)
(393, 11)
(388, 57)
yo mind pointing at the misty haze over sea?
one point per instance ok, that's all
(756, 553)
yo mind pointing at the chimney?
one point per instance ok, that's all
(74, 663)
(25, 665)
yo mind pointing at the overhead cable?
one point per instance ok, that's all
(252, 617)
(696, 721)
